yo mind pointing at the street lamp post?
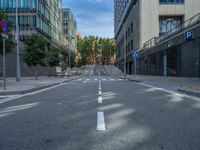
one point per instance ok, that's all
(18, 75)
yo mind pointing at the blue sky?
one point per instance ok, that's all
(94, 17)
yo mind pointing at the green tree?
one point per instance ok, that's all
(91, 46)
(54, 57)
(10, 41)
(35, 52)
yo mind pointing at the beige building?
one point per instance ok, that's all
(145, 19)
(138, 21)
(157, 18)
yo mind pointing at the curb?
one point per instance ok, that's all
(133, 80)
(33, 89)
(189, 92)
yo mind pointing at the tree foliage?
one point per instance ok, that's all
(35, 51)
(10, 41)
(54, 57)
(89, 47)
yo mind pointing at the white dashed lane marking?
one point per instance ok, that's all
(100, 100)
(100, 92)
(100, 121)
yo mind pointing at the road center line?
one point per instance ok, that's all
(100, 92)
(100, 100)
(100, 121)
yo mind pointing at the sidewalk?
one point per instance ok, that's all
(29, 84)
(190, 86)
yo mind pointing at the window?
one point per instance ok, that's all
(169, 24)
(131, 27)
(65, 14)
(128, 32)
(172, 1)
(131, 44)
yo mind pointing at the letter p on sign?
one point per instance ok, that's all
(189, 35)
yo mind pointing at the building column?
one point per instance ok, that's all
(165, 63)
(157, 65)
(128, 71)
(199, 59)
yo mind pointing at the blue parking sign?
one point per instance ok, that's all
(189, 35)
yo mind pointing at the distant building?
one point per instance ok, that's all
(78, 35)
(70, 28)
(137, 22)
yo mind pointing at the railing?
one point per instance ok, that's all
(177, 29)
(152, 42)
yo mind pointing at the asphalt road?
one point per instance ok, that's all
(73, 116)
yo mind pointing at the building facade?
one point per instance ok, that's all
(42, 17)
(37, 16)
(141, 21)
(70, 28)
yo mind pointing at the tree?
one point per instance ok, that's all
(35, 52)
(10, 41)
(54, 57)
(90, 47)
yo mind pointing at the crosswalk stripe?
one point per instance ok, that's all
(103, 79)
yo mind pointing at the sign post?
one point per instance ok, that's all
(5, 30)
(4, 64)
(135, 55)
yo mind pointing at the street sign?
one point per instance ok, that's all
(4, 26)
(135, 54)
(189, 36)
(5, 36)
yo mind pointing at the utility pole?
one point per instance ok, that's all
(18, 75)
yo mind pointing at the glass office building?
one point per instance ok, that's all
(43, 16)
(120, 7)
(69, 28)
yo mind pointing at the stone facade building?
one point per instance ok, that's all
(140, 24)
